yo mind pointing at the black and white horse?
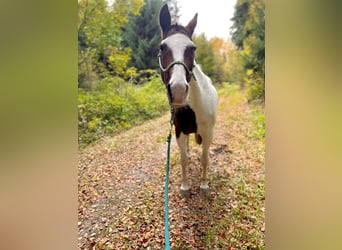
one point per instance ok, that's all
(190, 93)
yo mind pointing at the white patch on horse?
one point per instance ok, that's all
(204, 100)
(199, 96)
(177, 43)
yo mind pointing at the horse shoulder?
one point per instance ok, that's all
(199, 75)
(204, 102)
(207, 87)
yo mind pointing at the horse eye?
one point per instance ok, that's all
(162, 47)
(192, 49)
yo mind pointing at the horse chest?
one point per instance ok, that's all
(185, 121)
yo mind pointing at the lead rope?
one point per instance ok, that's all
(166, 190)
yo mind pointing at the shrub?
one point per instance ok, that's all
(115, 105)
(258, 119)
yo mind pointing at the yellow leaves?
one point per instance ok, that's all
(99, 28)
(131, 72)
(123, 7)
(217, 44)
(136, 5)
(249, 72)
(247, 50)
(119, 59)
(93, 123)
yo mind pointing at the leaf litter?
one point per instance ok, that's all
(121, 188)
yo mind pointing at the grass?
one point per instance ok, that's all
(258, 119)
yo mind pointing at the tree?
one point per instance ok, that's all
(99, 37)
(238, 30)
(220, 57)
(233, 68)
(205, 55)
(248, 34)
(142, 35)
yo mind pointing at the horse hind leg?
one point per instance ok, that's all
(187, 147)
(204, 164)
(204, 187)
(182, 142)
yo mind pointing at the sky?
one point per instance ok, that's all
(213, 16)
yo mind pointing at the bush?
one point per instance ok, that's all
(258, 119)
(256, 90)
(115, 105)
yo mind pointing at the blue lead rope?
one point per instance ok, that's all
(166, 195)
(166, 190)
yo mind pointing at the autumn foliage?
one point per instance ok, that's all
(118, 43)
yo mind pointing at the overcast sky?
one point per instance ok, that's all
(213, 16)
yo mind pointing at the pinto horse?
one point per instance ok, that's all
(190, 93)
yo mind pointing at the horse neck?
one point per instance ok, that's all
(199, 84)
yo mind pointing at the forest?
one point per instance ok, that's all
(121, 170)
(118, 75)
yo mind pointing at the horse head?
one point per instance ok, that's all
(176, 57)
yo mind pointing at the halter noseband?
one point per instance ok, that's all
(188, 71)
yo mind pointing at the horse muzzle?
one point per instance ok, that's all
(178, 94)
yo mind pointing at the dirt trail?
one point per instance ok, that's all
(121, 181)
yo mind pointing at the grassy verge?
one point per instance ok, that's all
(116, 105)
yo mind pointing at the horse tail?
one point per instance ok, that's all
(198, 139)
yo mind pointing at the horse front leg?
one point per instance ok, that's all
(182, 142)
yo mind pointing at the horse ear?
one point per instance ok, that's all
(191, 25)
(164, 19)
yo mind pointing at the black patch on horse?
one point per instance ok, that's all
(185, 121)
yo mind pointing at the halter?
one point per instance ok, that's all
(172, 64)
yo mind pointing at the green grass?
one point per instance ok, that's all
(226, 89)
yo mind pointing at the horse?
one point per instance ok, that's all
(191, 93)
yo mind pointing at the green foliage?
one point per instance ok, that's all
(142, 35)
(239, 33)
(248, 34)
(100, 52)
(205, 55)
(115, 105)
(234, 68)
(259, 126)
(227, 90)
(214, 57)
(256, 90)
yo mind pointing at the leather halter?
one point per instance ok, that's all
(164, 70)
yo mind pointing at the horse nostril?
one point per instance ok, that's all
(169, 93)
(187, 88)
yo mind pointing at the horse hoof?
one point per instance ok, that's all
(185, 193)
(205, 192)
